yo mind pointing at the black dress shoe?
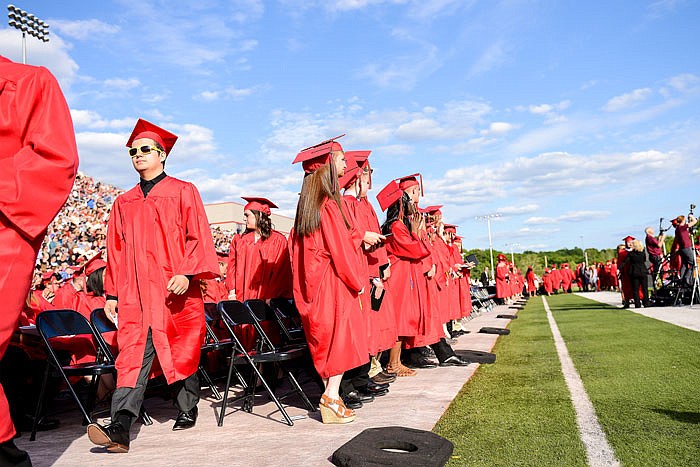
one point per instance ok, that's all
(373, 387)
(384, 378)
(186, 420)
(359, 396)
(420, 362)
(113, 436)
(354, 400)
(377, 393)
(454, 360)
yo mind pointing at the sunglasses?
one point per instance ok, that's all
(143, 150)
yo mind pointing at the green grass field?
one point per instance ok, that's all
(642, 376)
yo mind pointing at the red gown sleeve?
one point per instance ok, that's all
(342, 246)
(115, 250)
(37, 176)
(231, 267)
(199, 259)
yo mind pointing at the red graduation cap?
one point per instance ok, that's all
(94, 263)
(451, 227)
(350, 175)
(628, 238)
(146, 129)
(410, 180)
(362, 159)
(501, 257)
(352, 170)
(318, 155)
(390, 194)
(45, 277)
(434, 210)
(259, 204)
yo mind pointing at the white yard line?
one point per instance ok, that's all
(598, 449)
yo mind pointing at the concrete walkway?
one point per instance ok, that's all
(685, 316)
(261, 438)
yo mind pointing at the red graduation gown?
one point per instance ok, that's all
(502, 286)
(406, 253)
(327, 277)
(39, 160)
(384, 320)
(530, 277)
(150, 240)
(215, 290)
(259, 270)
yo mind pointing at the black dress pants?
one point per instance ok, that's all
(656, 261)
(355, 379)
(126, 402)
(637, 282)
(442, 350)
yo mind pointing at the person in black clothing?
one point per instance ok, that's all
(638, 273)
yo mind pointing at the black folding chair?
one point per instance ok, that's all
(102, 324)
(67, 323)
(235, 313)
(285, 314)
(289, 321)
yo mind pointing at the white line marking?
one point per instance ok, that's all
(598, 449)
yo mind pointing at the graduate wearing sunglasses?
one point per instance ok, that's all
(159, 246)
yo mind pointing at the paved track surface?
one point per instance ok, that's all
(261, 438)
(684, 316)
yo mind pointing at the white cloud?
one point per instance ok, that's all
(103, 156)
(494, 56)
(499, 128)
(550, 175)
(571, 216)
(627, 100)
(83, 28)
(248, 45)
(246, 11)
(122, 83)
(518, 209)
(403, 72)
(541, 108)
(231, 92)
(541, 220)
(93, 120)
(53, 55)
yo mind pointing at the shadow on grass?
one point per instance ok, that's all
(685, 417)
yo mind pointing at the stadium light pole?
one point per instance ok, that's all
(487, 218)
(512, 245)
(27, 23)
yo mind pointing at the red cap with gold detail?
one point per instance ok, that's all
(146, 129)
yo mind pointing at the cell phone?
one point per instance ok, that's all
(388, 235)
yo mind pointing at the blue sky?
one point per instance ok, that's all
(577, 121)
